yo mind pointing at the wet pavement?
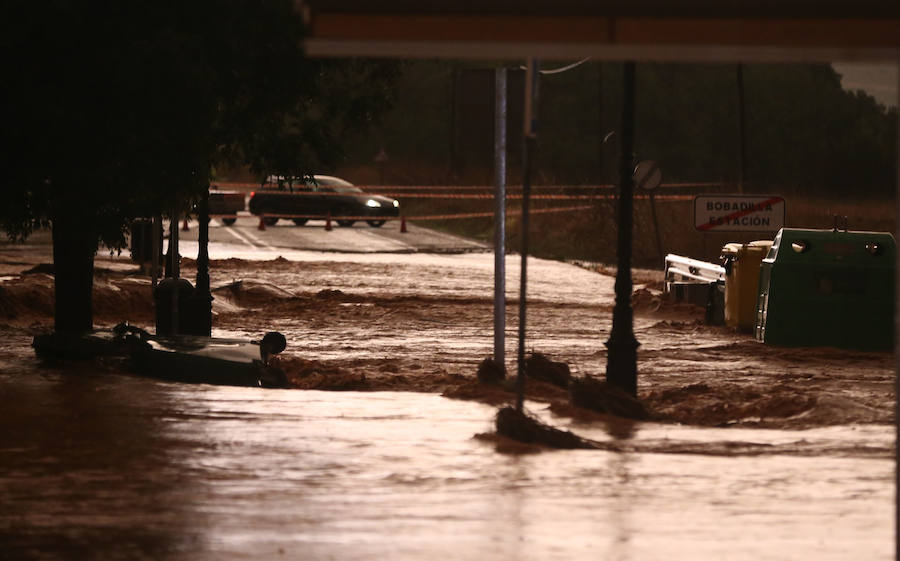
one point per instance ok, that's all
(247, 236)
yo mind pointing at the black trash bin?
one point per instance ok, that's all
(163, 299)
(197, 319)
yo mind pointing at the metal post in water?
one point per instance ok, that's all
(500, 95)
(621, 365)
(659, 246)
(202, 295)
(156, 233)
(175, 273)
(530, 122)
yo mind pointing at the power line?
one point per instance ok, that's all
(562, 68)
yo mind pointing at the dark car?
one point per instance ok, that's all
(320, 196)
(225, 204)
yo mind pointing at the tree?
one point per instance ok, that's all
(804, 131)
(310, 137)
(113, 111)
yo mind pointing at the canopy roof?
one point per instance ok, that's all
(686, 30)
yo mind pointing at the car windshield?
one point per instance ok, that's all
(285, 183)
(326, 183)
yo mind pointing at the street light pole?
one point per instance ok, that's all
(621, 365)
(531, 97)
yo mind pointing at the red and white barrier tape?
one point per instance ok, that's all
(396, 188)
(509, 212)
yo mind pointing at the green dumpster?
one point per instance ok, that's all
(742, 282)
(828, 288)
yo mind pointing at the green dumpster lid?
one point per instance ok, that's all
(864, 249)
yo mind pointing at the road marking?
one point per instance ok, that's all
(261, 242)
(398, 244)
(234, 233)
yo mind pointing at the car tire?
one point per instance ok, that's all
(345, 223)
(376, 223)
(229, 221)
(299, 221)
(270, 220)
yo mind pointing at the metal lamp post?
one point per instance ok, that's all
(621, 365)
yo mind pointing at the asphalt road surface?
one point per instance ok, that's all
(245, 240)
(246, 234)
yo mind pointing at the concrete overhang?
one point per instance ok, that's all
(690, 30)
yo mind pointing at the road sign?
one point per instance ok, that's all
(738, 213)
(647, 175)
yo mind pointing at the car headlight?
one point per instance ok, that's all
(397, 204)
(373, 203)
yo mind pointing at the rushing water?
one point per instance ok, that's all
(99, 465)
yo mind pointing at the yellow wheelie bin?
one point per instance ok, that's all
(742, 262)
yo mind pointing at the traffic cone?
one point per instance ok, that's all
(184, 226)
(328, 223)
(403, 224)
(262, 222)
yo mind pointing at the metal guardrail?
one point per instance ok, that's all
(685, 269)
(697, 282)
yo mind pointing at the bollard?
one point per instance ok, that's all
(262, 222)
(184, 226)
(328, 223)
(403, 224)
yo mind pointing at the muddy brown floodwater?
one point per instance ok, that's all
(751, 452)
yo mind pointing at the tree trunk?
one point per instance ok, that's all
(74, 247)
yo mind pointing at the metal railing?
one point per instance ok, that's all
(685, 269)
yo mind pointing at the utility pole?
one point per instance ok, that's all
(500, 103)
(742, 126)
(621, 365)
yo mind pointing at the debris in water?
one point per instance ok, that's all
(492, 394)
(539, 367)
(489, 372)
(504, 445)
(42, 268)
(519, 426)
(603, 397)
(315, 375)
(330, 294)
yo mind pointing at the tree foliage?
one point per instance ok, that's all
(311, 135)
(116, 110)
(803, 131)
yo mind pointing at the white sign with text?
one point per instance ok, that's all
(738, 213)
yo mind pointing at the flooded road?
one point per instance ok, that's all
(758, 453)
(99, 465)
